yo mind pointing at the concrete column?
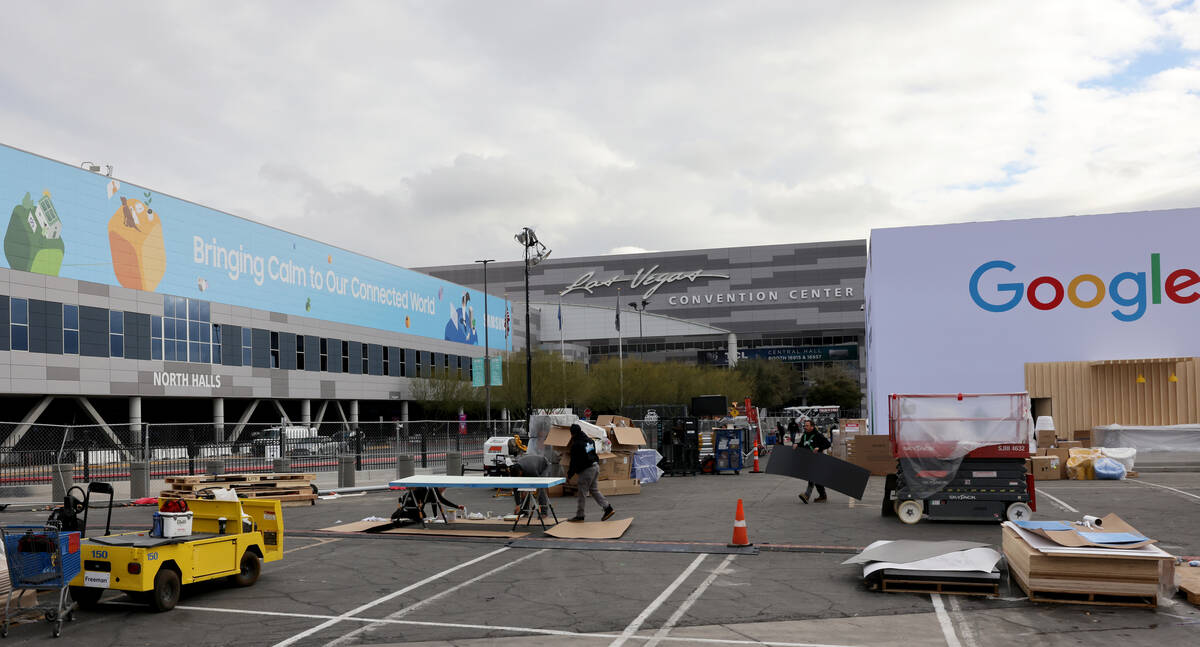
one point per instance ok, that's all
(62, 477)
(214, 466)
(346, 470)
(219, 419)
(404, 411)
(354, 414)
(732, 350)
(139, 479)
(282, 465)
(135, 420)
(306, 413)
(453, 464)
(404, 466)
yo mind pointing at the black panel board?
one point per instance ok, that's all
(847, 478)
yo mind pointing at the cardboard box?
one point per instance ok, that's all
(853, 425)
(1046, 439)
(1067, 444)
(871, 452)
(618, 487)
(1062, 455)
(557, 490)
(1083, 436)
(1041, 451)
(626, 439)
(616, 421)
(1046, 468)
(559, 437)
(617, 467)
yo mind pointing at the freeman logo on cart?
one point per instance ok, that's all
(1128, 290)
(96, 580)
(197, 380)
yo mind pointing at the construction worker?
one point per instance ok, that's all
(532, 465)
(814, 441)
(585, 463)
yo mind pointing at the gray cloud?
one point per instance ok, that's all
(429, 133)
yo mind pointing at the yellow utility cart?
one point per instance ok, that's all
(229, 539)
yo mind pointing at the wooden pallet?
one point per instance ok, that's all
(193, 487)
(1189, 582)
(239, 478)
(946, 583)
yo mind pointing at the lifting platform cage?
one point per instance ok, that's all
(727, 449)
(41, 558)
(960, 457)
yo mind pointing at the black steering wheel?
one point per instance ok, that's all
(74, 504)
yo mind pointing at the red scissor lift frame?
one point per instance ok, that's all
(991, 482)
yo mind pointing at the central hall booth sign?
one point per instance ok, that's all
(843, 353)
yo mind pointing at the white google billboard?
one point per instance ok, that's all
(961, 308)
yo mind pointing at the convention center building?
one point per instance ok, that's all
(795, 303)
(121, 304)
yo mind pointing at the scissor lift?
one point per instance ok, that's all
(989, 432)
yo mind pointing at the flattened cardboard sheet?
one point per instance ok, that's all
(823, 469)
(629, 436)
(442, 531)
(904, 551)
(1110, 524)
(357, 526)
(591, 529)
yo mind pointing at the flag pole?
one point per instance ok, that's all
(620, 357)
(562, 350)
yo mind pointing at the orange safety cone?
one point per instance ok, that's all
(740, 537)
(756, 470)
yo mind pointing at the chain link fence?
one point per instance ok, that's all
(30, 452)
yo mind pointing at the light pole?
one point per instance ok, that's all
(529, 240)
(640, 308)
(487, 350)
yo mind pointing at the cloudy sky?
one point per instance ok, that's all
(428, 133)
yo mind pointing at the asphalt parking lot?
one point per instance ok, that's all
(352, 590)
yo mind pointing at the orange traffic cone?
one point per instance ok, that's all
(756, 470)
(740, 537)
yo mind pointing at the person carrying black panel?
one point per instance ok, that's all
(816, 442)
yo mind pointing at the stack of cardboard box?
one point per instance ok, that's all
(872, 452)
(1050, 463)
(615, 466)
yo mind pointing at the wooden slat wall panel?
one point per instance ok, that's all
(1084, 395)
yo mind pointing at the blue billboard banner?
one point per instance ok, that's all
(836, 353)
(80, 225)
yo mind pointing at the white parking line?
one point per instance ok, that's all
(962, 626)
(417, 605)
(1057, 501)
(687, 604)
(354, 612)
(662, 597)
(460, 625)
(944, 620)
(1167, 487)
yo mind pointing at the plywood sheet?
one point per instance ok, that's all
(444, 531)
(591, 529)
(356, 526)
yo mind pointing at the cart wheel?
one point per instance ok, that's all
(910, 511)
(250, 568)
(58, 629)
(165, 595)
(1018, 511)
(736, 472)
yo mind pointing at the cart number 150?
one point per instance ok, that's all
(100, 554)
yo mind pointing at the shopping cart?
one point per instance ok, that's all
(41, 558)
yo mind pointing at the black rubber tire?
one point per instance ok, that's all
(166, 591)
(86, 596)
(251, 567)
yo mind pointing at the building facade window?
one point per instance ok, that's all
(19, 326)
(216, 343)
(324, 354)
(156, 337)
(365, 365)
(116, 333)
(247, 347)
(274, 350)
(299, 352)
(345, 357)
(70, 330)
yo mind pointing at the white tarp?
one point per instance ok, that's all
(1171, 438)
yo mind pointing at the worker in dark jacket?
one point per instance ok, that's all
(585, 463)
(532, 465)
(793, 432)
(814, 441)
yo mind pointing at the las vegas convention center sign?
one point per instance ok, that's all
(75, 224)
(650, 280)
